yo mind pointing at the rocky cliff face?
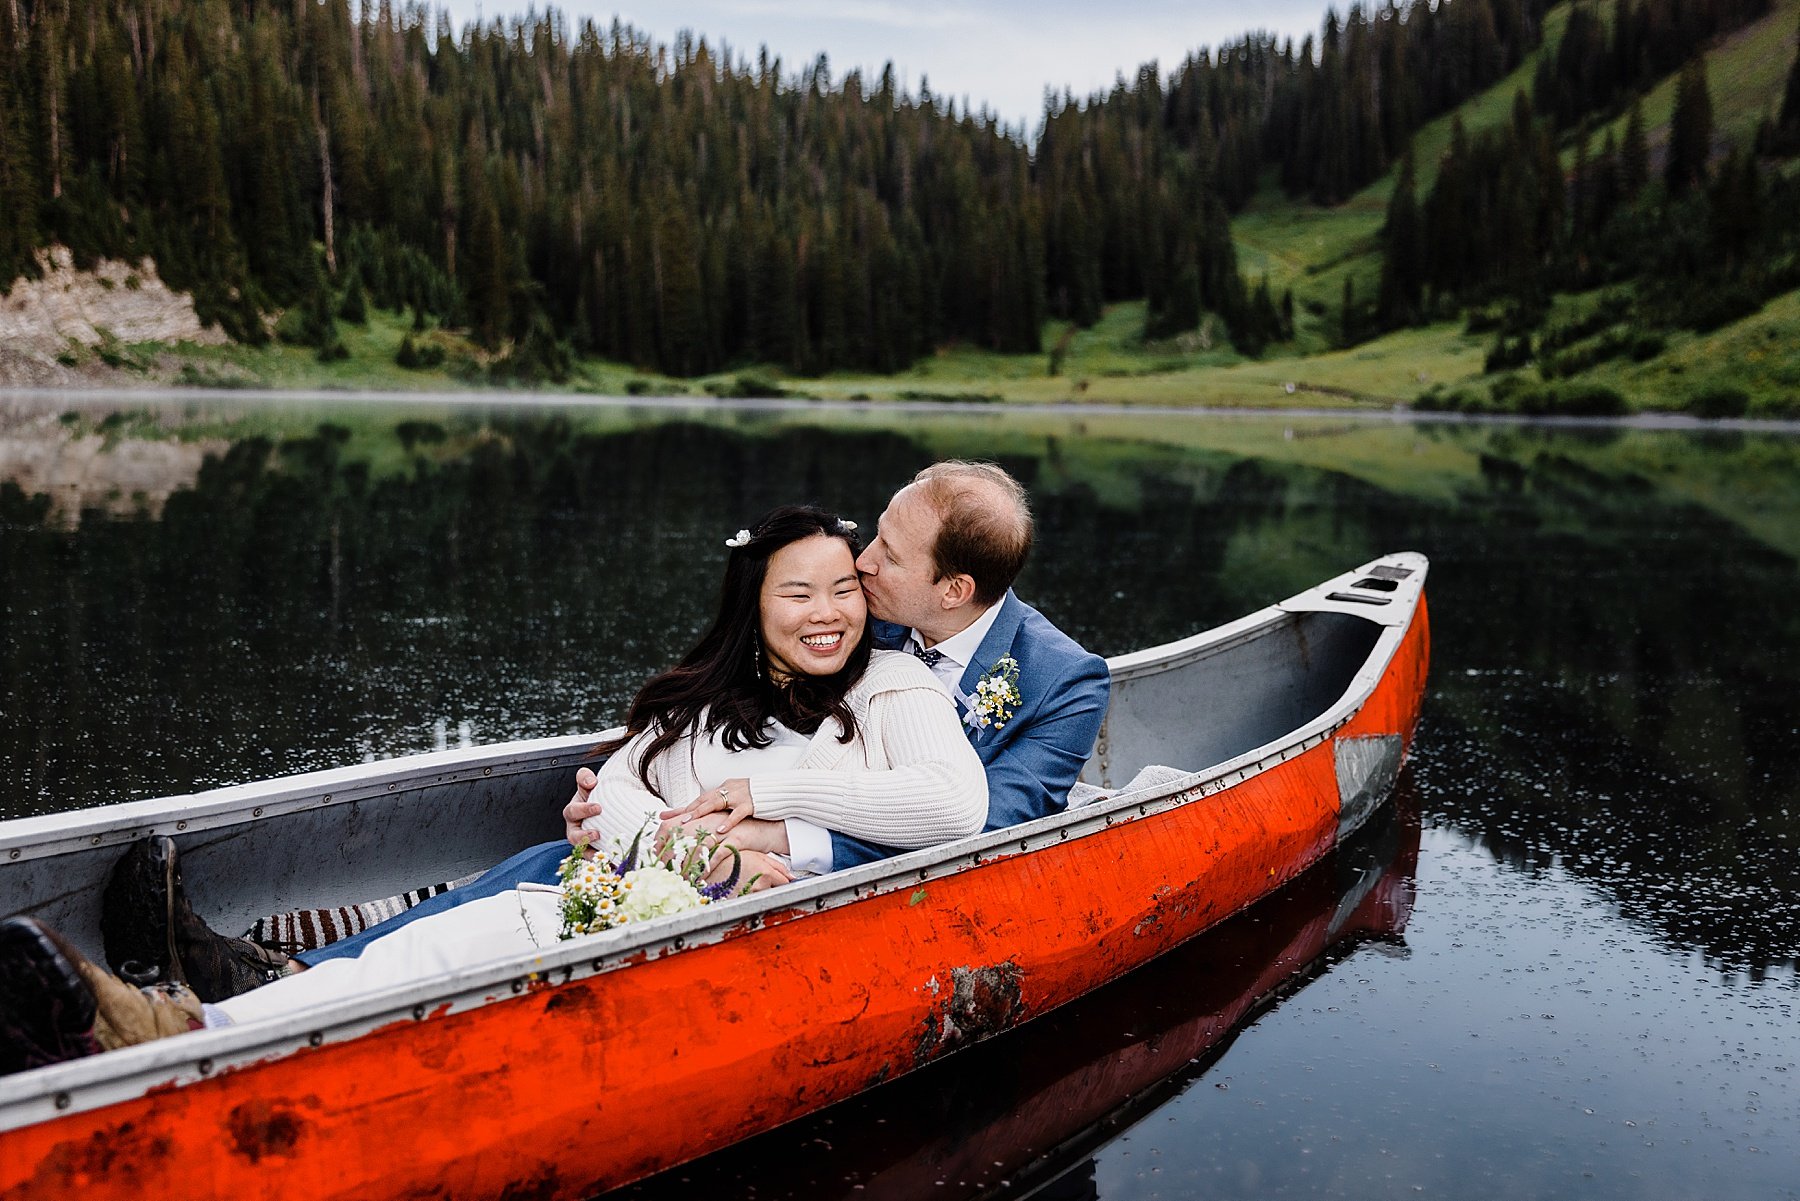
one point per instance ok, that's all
(41, 318)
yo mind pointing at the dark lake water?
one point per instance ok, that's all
(1565, 967)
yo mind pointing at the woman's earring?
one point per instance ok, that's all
(756, 661)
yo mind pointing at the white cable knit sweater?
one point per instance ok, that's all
(908, 779)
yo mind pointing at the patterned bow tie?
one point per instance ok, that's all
(931, 658)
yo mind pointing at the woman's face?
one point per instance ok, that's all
(812, 607)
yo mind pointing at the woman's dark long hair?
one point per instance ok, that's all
(723, 682)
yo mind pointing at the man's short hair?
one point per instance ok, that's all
(985, 531)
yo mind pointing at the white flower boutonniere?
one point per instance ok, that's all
(996, 697)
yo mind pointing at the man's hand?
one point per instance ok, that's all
(579, 809)
(758, 869)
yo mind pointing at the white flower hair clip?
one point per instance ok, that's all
(741, 538)
(846, 525)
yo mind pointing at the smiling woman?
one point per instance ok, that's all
(813, 612)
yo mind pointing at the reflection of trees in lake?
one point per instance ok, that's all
(1616, 676)
(1617, 687)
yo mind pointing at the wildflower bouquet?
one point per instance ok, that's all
(618, 888)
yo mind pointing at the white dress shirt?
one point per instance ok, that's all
(809, 845)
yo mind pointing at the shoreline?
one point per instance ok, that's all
(66, 398)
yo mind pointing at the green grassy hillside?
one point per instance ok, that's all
(1305, 248)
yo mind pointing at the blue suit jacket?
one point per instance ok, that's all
(1031, 762)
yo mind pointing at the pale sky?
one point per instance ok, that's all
(1003, 53)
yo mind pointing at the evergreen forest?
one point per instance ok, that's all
(559, 188)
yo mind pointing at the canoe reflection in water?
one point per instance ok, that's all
(1023, 1115)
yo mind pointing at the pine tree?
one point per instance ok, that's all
(1581, 192)
(1605, 189)
(1450, 239)
(1634, 154)
(1690, 129)
(1400, 300)
(485, 262)
(354, 307)
(19, 229)
(1787, 125)
(1736, 205)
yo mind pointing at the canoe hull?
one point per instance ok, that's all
(596, 1076)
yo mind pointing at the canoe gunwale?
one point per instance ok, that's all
(234, 805)
(95, 1082)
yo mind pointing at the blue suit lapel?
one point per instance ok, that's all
(998, 641)
(996, 644)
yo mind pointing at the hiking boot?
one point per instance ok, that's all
(134, 912)
(46, 1009)
(151, 930)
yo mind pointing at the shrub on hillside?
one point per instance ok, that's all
(1507, 353)
(539, 356)
(1516, 394)
(747, 387)
(417, 355)
(1588, 400)
(1438, 399)
(354, 307)
(1707, 308)
(1721, 401)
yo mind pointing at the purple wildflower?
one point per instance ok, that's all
(721, 890)
(630, 861)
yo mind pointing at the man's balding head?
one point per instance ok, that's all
(985, 528)
(946, 549)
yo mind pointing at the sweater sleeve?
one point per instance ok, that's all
(932, 791)
(628, 804)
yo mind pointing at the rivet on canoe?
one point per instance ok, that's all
(518, 986)
(256, 812)
(13, 855)
(598, 963)
(316, 1038)
(819, 904)
(1024, 844)
(206, 1067)
(62, 1100)
(391, 787)
(418, 1013)
(327, 798)
(96, 841)
(487, 771)
(680, 942)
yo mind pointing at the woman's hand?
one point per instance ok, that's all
(760, 869)
(751, 834)
(731, 798)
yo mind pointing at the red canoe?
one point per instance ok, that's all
(1022, 1111)
(618, 1055)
